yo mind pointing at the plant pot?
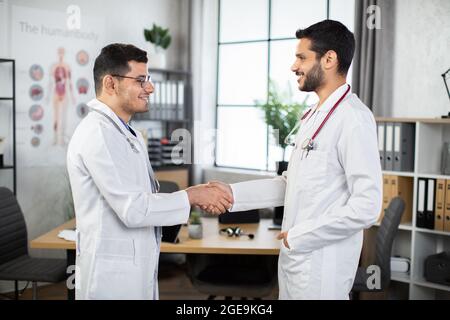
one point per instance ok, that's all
(156, 58)
(279, 211)
(195, 231)
(281, 167)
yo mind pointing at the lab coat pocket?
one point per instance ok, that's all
(122, 269)
(312, 171)
(114, 279)
(298, 272)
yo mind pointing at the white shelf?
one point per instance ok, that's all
(399, 173)
(432, 285)
(400, 277)
(442, 233)
(403, 226)
(413, 174)
(432, 176)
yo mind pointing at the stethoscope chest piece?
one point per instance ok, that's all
(133, 147)
(307, 146)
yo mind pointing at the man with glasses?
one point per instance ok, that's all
(118, 208)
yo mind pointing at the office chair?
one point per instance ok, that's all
(15, 263)
(383, 247)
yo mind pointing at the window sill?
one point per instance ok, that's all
(233, 175)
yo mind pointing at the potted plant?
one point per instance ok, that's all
(161, 39)
(281, 117)
(195, 227)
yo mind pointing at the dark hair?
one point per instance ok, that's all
(113, 59)
(331, 35)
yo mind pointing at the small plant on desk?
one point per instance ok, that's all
(195, 225)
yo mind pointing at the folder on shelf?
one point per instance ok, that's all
(172, 100)
(157, 93)
(439, 205)
(163, 101)
(389, 153)
(429, 212)
(381, 128)
(386, 195)
(152, 104)
(447, 206)
(403, 187)
(180, 100)
(403, 148)
(421, 199)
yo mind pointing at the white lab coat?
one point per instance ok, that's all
(118, 237)
(329, 197)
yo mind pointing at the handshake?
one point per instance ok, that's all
(214, 197)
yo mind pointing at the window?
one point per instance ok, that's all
(257, 43)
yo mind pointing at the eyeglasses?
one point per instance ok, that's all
(142, 80)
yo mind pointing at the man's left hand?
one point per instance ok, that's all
(283, 235)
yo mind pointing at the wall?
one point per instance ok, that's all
(204, 77)
(43, 191)
(421, 55)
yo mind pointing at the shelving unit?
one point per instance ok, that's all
(10, 102)
(413, 242)
(174, 112)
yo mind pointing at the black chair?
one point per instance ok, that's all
(383, 247)
(15, 263)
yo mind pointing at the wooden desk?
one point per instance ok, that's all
(264, 242)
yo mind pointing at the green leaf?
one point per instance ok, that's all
(279, 115)
(165, 42)
(159, 36)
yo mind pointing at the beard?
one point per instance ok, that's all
(313, 79)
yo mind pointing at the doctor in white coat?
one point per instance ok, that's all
(118, 210)
(332, 188)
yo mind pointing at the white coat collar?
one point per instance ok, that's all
(333, 98)
(98, 105)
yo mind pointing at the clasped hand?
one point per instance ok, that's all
(215, 197)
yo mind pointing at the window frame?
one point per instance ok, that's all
(268, 40)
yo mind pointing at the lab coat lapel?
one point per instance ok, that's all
(158, 230)
(98, 105)
(333, 98)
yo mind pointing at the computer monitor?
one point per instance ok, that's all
(170, 233)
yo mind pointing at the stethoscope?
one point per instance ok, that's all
(133, 147)
(155, 183)
(308, 143)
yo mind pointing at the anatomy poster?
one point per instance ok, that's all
(53, 80)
